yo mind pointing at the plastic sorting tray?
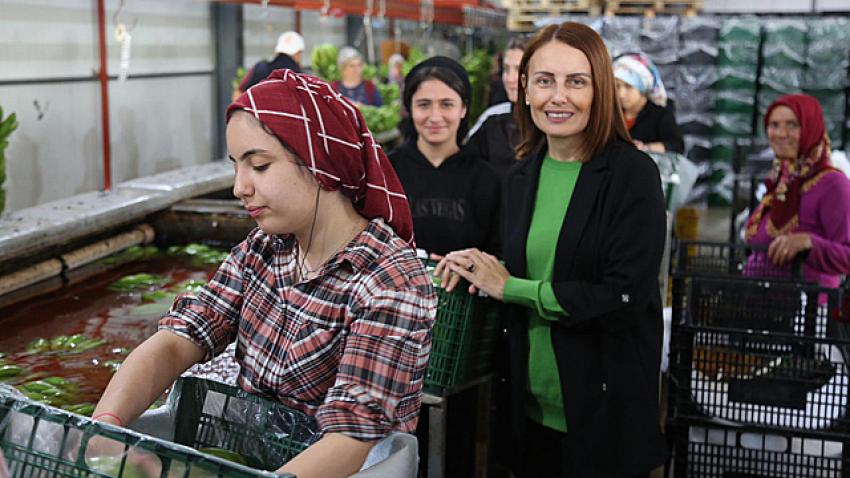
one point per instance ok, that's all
(718, 451)
(261, 430)
(463, 338)
(762, 353)
(39, 441)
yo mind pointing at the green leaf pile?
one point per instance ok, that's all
(414, 57)
(381, 118)
(324, 62)
(54, 391)
(7, 126)
(477, 65)
(237, 79)
(390, 92)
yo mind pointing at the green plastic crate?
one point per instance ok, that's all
(738, 55)
(740, 30)
(263, 431)
(39, 441)
(463, 338)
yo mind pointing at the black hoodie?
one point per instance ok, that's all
(495, 141)
(454, 206)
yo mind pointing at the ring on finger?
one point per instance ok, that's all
(471, 267)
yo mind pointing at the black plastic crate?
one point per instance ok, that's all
(725, 259)
(721, 260)
(711, 450)
(762, 353)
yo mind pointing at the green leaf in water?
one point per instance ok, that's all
(138, 282)
(112, 365)
(10, 370)
(58, 342)
(156, 295)
(190, 285)
(38, 345)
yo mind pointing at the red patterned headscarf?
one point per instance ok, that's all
(328, 133)
(788, 180)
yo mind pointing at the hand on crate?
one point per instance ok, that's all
(483, 271)
(785, 248)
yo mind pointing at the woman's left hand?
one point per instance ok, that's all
(482, 270)
(785, 248)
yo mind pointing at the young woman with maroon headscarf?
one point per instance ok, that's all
(807, 205)
(328, 304)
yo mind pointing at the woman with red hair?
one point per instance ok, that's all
(328, 304)
(807, 205)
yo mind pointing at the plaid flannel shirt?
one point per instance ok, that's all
(349, 347)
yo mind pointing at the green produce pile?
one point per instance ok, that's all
(7, 126)
(390, 92)
(63, 344)
(237, 80)
(200, 254)
(370, 72)
(324, 62)
(477, 64)
(225, 454)
(56, 392)
(381, 118)
(413, 58)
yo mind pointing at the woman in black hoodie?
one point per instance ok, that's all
(454, 195)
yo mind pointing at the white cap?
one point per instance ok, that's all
(289, 43)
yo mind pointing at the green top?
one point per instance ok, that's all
(554, 191)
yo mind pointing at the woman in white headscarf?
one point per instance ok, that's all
(643, 99)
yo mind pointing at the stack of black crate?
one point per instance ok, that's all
(694, 77)
(758, 369)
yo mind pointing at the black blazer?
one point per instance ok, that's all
(608, 348)
(656, 124)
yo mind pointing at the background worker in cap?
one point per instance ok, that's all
(289, 48)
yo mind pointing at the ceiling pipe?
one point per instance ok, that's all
(103, 76)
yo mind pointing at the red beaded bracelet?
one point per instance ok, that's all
(109, 414)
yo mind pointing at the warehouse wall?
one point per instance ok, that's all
(262, 26)
(48, 62)
(776, 6)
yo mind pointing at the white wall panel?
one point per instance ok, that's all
(156, 123)
(54, 153)
(47, 38)
(170, 129)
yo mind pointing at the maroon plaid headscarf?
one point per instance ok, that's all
(328, 133)
(786, 181)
